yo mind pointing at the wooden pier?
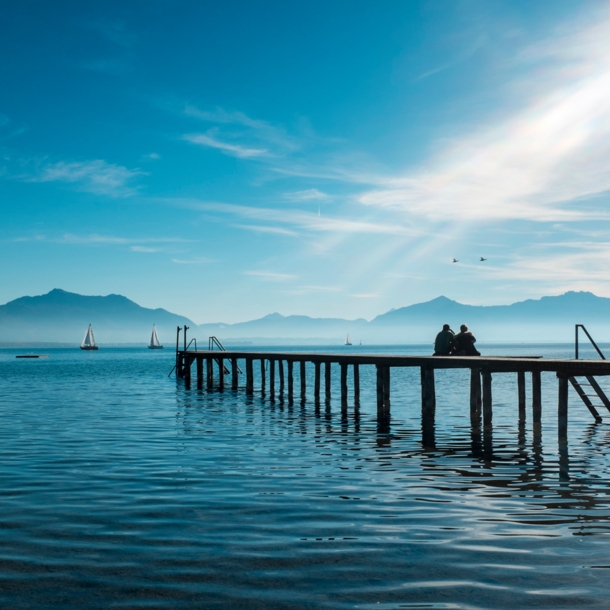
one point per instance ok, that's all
(481, 369)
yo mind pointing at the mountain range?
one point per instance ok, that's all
(61, 316)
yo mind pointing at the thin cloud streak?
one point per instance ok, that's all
(271, 276)
(235, 150)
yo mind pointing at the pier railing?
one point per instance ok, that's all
(576, 329)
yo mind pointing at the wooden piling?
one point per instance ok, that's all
(356, 384)
(327, 380)
(187, 370)
(272, 378)
(289, 364)
(475, 393)
(234, 379)
(379, 370)
(303, 377)
(263, 376)
(487, 401)
(199, 361)
(209, 365)
(521, 394)
(280, 364)
(316, 381)
(386, 387)
(536, 398)
(343, 385)
(562, 408)
(221, 374)
(428, 391)
(249, 376)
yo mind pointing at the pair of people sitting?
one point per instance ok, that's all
(447, 343)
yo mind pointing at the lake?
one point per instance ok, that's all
(121, 488)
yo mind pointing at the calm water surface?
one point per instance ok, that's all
(121, 488)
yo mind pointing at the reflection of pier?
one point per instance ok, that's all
(482, 370)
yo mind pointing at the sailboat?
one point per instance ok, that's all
(154, 340)
(347, 341)
(89, 340)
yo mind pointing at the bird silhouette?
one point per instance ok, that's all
(483, 259)
(455, 260)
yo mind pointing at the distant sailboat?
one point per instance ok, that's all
(347, 341)
(89, 340)
(154, 340)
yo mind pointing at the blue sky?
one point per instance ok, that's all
(226, 160)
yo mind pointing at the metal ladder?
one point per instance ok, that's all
(213, 341)
(581, 387)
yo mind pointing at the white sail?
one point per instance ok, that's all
(347, 341)
(89, 340)
(154, 339)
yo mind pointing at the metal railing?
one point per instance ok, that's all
(213, 341)
(576, 327)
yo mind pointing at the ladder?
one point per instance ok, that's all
(213, 341)
(590, 385)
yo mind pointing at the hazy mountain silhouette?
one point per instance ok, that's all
(61, 316)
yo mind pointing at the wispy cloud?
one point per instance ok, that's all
(302, 220)
(235, 150)
(307, 195)
(539, 162)
(97, 176)
(97, 239)
(270, 276)
(145, 249)
(266, 229)
(200, 260)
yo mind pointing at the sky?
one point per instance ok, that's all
(226, 160)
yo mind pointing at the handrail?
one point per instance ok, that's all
(213, 341)
(576, 327)
(189, 345)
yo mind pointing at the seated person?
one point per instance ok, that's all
(445, 342)
(464, 343)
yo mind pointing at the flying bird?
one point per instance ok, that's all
(483, 259)
(455, 260)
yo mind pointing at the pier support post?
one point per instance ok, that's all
(386, 387)
(356, 384)
(249, 377)
(343, 385)
(221, 374)
(327, 380)
(379, 370)
(428, 391)
(316, 382)
(289, 364)
(280, 364)
(263, 377)
(536, 398)
(487, 401)
(209, 365)
(187, 370)
(562, 409)
(272, 378)
(521, 393)
(303, 377)
(475, 394)
(234, 378)
(199, 372)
